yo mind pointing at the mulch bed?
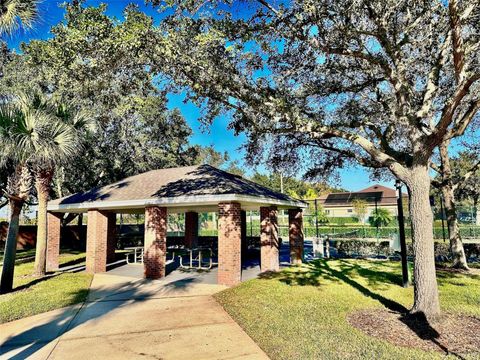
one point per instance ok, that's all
(450, 334)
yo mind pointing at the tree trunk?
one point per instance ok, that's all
(426, 301)
(6, 283)
(448, 193)
(42, 184)
(456, 245)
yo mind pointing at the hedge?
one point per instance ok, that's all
(353, 232)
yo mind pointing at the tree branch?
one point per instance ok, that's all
(468, 175)
(461, 125)
(450, 107)
(457, 41)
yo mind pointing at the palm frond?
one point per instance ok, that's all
(17, 13)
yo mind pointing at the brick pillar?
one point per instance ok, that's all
(53, 240)
(97, 236)
(229, 244)
(243, 230)
(269, 258)
(155, 251)
(191, 229)
(111, 237)
(295, 221)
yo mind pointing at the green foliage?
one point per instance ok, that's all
(360, 207)
(337, 220)
(299, 189)
(380, 217)
(95, 63)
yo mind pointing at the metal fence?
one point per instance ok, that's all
(321, 220)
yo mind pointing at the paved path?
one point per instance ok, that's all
(130, 318)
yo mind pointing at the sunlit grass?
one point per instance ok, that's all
(33, 295)
(301, 313)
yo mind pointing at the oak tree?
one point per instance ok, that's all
(319, 84)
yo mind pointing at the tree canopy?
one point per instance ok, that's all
(102, 65)
(382, 84)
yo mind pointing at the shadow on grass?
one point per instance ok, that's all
(313, 273)
(102, 301)
(80, 260)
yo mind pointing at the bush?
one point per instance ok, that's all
(362, 248)
(342, 220)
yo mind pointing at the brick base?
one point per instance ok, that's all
(155, 252)
(229, 244)
(53, 240)
(269, 257)
(97, 235)
(295, 221)
(191, 229)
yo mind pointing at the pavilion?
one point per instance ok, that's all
(188, 190)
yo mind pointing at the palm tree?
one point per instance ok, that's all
(17, 13)
(14, 154)
(381, 217)
(66, 132)
(37, 135)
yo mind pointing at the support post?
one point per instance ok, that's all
(295, 221)
(111, 237)
(191, 229)
(97, 239)
(229, 244)
(54, 221)
(269, 257)
(243, 230)
(155, 244)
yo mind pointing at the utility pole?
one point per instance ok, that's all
(401, 233)
(376, 216)
(281, 183)
(443, 217)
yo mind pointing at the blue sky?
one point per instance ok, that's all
(217, 135)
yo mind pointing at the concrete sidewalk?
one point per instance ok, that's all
(130, 318)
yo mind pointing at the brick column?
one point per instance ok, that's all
(97, 236)
(229, 244)
(191, 229)
(295, 221)
(269, 258)
(111, 237)
(155, 251)
(53, 240)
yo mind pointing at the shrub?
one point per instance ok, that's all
(362, 248)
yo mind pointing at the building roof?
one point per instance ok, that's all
(191, 186)
(379, 194)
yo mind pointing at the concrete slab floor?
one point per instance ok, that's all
(130, 318)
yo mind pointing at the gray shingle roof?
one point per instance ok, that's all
(173, 183)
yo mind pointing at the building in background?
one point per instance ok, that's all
(376, 196)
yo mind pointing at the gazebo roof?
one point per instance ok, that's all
(199, 187)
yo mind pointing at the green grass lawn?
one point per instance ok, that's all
(21, 254)
(301, 313)
(34, 295)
